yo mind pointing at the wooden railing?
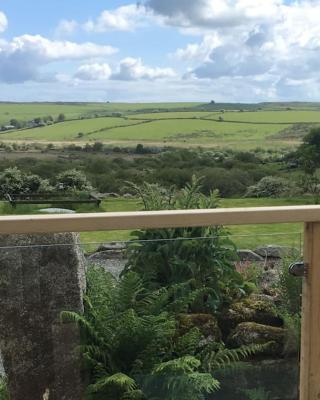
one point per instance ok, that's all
(309, 215)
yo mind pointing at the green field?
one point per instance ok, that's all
(29, 111)
(283, 117)
(183, 126)
(247, 236)
(67, 131)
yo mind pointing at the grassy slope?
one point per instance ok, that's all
(28, 111)
(67, 131)
(274, 116)
(176, 128)
(175, 132)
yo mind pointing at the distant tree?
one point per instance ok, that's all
(309, 152)
(50, 146)
(13, 180)
(38, 120)
(73, 180)
(97, 146)
(14, 122)
(48, 118)
(61, 117)
(139, 149)
(87, 148)
(308, 156)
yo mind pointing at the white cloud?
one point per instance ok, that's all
(3, 22)
(209, 14)
(93, 72)
(271, 46)
(66, 27)
(288, 47)
(199, 51)
(134, 69)
(125, 18)
(129, 69)
(21, 58)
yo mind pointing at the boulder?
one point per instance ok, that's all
(269, 279)
(206, 323)
(251, 309)
(112, 261)
(276, 251)
(114, 195)
(248, 255)
(248, 333)
(113, 246)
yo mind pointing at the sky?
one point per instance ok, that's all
(160, 50)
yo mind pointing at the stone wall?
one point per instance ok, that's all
(40, 354)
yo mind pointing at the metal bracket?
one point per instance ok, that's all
(298, 269)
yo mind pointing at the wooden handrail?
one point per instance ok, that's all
(156, 219)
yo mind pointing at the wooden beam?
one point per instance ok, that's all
(310, 333)
(156, 219)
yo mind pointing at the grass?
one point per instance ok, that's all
(194, 132)
(291, 117)
(175, 115)
(29, 111)
(246, 236)
(66, 131)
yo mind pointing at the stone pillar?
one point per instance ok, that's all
(39, 278)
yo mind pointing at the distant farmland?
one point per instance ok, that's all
(176, 124)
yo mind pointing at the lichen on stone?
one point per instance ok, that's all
(248, 333)
(206, 323)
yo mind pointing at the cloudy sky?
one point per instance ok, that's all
(159, 50)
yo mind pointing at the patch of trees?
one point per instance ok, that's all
(36, 122)
(232, 173)
(15, 181)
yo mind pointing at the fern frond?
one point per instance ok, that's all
(185, 364)
(119, 380)
(188, 343)
(221, 357)
(204, 382)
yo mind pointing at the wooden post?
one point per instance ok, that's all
(310, 335)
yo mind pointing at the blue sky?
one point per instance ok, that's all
(159, 50)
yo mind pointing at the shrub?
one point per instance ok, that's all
(73, 180)
(269, 186)
(228, 182)
(195, 264)
(14, 181)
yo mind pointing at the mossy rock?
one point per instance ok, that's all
(248, 333)
(251, 309)
(206, 323)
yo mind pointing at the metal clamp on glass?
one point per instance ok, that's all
(298, 269)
